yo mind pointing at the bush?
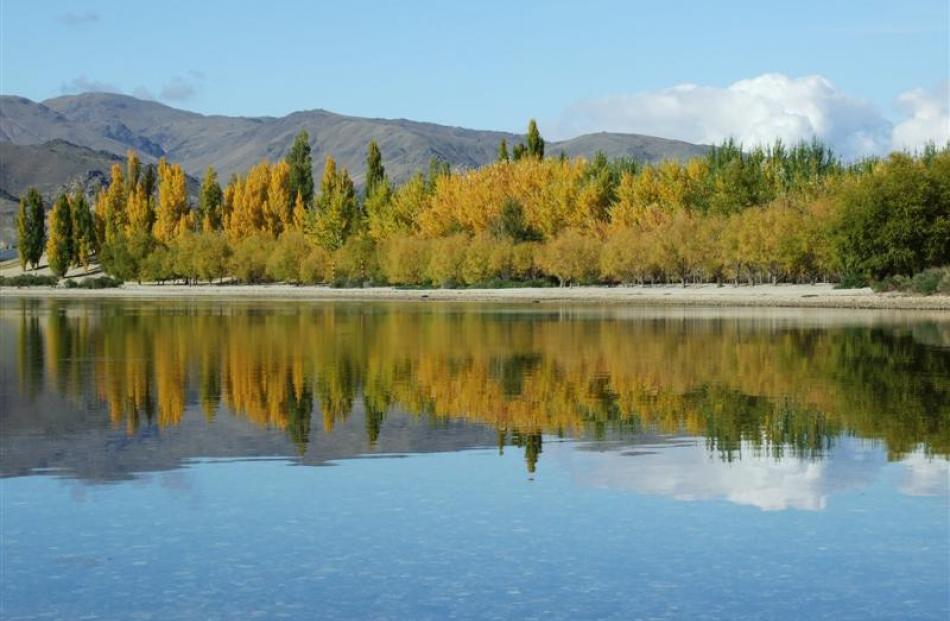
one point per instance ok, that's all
(935, 280)
(929, 282)
(852, 281)
(28, 280)
(100, 282)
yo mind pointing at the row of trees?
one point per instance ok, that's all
(762, 215)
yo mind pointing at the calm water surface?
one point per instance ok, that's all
(413, 461)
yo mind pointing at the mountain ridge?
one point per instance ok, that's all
(114, 123)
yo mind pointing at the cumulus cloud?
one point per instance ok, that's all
(928, 118)
(83, 84)
(78, 19)
(760, 110)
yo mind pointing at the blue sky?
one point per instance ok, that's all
(575, 66)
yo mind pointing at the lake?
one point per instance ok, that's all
(286, 460)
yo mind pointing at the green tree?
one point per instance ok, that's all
(301, 168)
(59, 251)
(375, 172)
(535, 143)
(84, 230)
(31, 228)
(503, 151)
(336, 207)
(895, 220)
(209, 202)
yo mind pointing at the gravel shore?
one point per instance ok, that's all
(789, 296)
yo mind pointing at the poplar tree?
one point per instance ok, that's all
(31, 228)
(209, 203)
(503, 151)
(336, 207)
(535, 146)
(172, 217)
(301, 168)
(84, 231)
(375, 173)
(59, 250)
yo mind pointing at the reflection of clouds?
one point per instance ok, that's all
(691, 473)
(925, 476)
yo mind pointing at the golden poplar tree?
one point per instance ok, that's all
(172, 218)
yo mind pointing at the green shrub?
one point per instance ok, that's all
(928, 282)
(28, 280)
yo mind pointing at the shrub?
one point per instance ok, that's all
(28, 280)
(928, 282)
(100, 282)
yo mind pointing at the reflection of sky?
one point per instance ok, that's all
(689, 471)
(470, 534)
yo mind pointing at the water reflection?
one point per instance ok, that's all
(756, 390)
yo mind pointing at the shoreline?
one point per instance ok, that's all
(775, 296)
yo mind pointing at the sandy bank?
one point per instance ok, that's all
(793, 296)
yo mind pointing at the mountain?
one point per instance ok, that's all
(115, 123)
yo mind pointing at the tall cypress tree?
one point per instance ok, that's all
(375, 173)
(535, 141)
(31, 228)
(301, 168)
(59, 250)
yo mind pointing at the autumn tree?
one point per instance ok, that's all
(336, 207)
(172, 218)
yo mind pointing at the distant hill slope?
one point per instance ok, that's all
(114, 123)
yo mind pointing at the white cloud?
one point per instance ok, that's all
(758, 111)
(928, 118)
(689, 472)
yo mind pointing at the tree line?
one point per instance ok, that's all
(769, 214)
